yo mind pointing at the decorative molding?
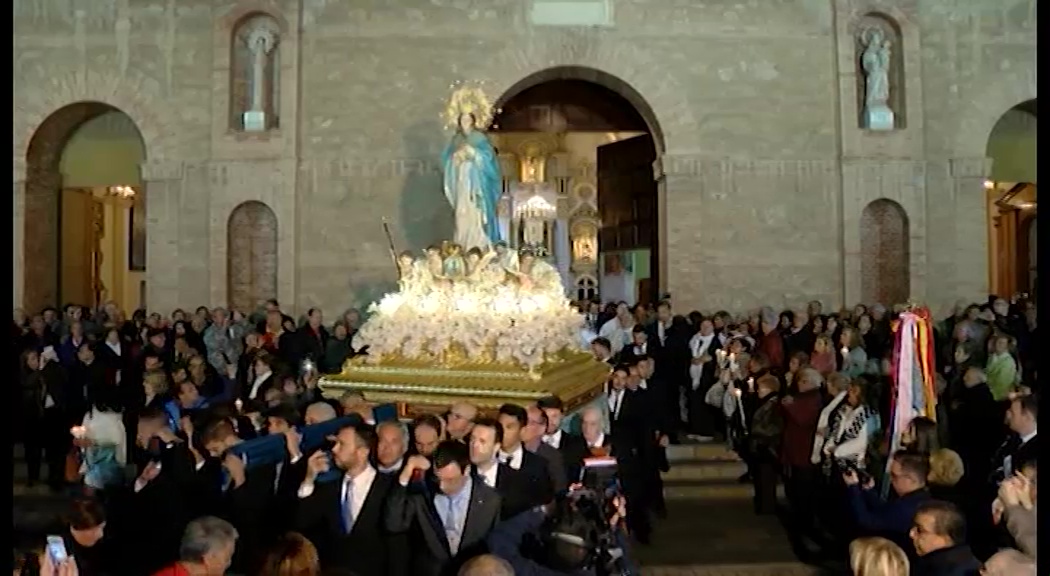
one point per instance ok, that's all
(698, 164)
(970, 167)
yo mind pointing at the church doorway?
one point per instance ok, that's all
(585, 143)
(84, 212)
(1011, 200)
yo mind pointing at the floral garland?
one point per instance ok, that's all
(500, 323)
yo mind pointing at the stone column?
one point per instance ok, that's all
(162, 190)
(971, 227)
(18, 234)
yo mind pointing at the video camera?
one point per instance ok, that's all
(595, 499)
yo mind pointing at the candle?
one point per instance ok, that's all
(732, 357)
(845, 351)
(238, 404)
(78, 431)
(751, 384)
(740, 407)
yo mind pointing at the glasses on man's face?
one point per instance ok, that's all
(537, 423)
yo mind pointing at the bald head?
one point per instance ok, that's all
(487, 565)
(319, 412)
(591, 423)
(461, 418)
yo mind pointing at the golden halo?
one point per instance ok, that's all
(469, 100)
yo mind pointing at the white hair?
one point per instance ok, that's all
(323, 411)
(400, 428)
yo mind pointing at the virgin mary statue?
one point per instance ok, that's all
(472, 183)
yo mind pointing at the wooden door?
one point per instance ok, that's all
(627, 201)
(76, 244)
(251, 256)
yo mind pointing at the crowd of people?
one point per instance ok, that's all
(145, 420)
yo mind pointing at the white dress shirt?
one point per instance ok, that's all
(1008, 461)
(395, 467)
(257, 383)
(553, 440)
(489, 476)
(615, 402)
(513, 459)
(362, 483)
(599, 442)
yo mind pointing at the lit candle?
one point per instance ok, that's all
(845, 351)
(238, 404)
(740, 407)
(732, 357)
(78, 431)
(751, 384)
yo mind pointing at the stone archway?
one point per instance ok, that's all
(251, 259)
(582, 101)
(885, 253)
(38, 228)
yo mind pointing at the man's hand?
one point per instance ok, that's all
(186, 423)
(788, 400)
(620, 505)
(316, 465)
(292, 441)
(414, 463)
(235, 466)
(850, 478)
(310, 380)
(705, 358)
(67, 567)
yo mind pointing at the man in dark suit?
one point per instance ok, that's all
(485, 439)
(446, 516)
(532, 440)
(1023, 443)
(243, 493)
(633, 439)
(345, 519)
(573, 448)
(539, 484)
(310, 341)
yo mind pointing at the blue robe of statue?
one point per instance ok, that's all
(473, 185)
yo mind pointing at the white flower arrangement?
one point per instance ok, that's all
(516, 324)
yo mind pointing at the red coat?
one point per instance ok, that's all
(772, 345)
(176, 569)
(800, 425)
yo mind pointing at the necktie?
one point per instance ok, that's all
(617, 396)
(505, 458)
(451, 531)
(348, 506)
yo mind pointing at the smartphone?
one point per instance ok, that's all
(56, 549)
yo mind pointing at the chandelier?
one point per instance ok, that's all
(536, 207)
(124, 192)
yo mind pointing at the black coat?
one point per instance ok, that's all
(319, 517)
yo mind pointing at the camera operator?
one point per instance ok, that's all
(561, 539)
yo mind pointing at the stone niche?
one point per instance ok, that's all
(872, 26)
(255, 74)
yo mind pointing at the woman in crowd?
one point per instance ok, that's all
(1002, 372)
(337, 350)
(853, 357)
(877, 557)
(823, 357)
(763, 443)
(291, 555)
(103, 439)
(920, 436)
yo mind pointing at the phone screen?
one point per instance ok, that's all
(56, 548)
